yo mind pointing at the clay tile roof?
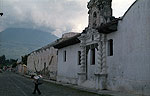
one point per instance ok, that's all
(68, 41)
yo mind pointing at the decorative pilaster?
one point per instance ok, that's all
(83, 59)
(82, 73)
(101, 74)
(99, 56)
(103, 56)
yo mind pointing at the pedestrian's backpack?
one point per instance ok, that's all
(40, 80)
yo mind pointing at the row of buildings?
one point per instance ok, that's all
(110, 54)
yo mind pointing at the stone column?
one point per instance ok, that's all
(98, 70)
(103, 56)
(82, 73)
(83, 59)
(101, 74)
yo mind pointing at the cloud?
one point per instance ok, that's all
(121, 6)
(61, 16)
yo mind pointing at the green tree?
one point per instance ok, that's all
(2, 60)
(24, 59)
(13, 62)
(7, 62)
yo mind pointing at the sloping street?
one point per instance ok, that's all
(12, 84)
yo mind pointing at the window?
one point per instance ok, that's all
(93, 56)
(94, 19)
(92, 37)
(64, 56)
(110, 47)
(57, 52)
(79, 57)
(95, 15)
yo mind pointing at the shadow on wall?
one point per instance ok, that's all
(46, 72)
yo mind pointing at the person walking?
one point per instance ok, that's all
(36, 83)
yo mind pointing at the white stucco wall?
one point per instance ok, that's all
(129, 67)
(67, 71)
(30, 63)
(41, 57)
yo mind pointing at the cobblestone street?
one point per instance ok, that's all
(15, 85)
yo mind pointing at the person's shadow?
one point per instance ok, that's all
(1, 14)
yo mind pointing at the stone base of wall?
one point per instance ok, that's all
(88, 84)
(141, 88)
(67, 79)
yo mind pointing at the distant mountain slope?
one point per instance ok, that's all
(15, 42)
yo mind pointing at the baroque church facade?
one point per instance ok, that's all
(111, 53)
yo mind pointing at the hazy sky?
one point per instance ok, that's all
(61, 16)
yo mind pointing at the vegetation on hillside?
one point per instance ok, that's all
(7, 62)
(24, 59)
(15, 42)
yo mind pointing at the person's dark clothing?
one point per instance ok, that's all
(36, 87)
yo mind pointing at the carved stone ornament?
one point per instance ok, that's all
(99, 3)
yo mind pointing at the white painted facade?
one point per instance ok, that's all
(44, 61)
(21, 68)
(128, 69)
(68, 70)
(122, 65)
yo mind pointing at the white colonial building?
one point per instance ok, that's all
(44, 60)
(111, 53)
(68, 52)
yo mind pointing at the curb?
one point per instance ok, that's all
(100, 92)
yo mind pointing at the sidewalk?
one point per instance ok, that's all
(114, 93)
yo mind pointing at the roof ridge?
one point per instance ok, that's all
(129, 9)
